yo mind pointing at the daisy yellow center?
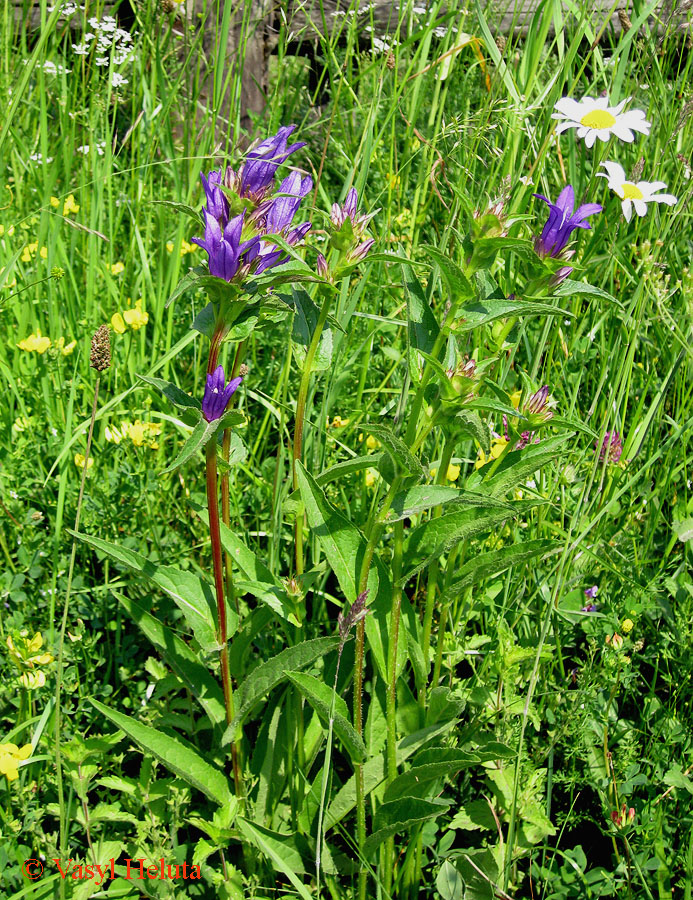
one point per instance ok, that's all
(631, 191)
(598, 118)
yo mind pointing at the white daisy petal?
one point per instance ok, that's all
(669, 199)
(626, 206)
(590, 138)
(615, 171)
(640, 207)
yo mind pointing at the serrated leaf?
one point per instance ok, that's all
(199, 438)
(481, 312)
(422, 328)
(322, 697)
(269, 674)
(408, 783)
(197, 677)
(457, 282)
(469, 422)
(401, 815)
(275, 850)
(192, 595)
(175, 753)
(518, 465)
(431, 538)
(173, 393)
(418, 498)
(404, 461)
(485, 565)
(568, 288)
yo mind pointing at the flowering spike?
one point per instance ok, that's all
(261, 163)
(611, 447)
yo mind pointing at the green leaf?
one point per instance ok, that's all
(449, 882)
(201, 435)
(469, 422)
(192, 595)
(480, 312)
(197, 677)
(422, 330)
(322, 697)
(401, 815)
(486, 565)
(409, 782)
(568, 288)
(404, 461)
(181, 208)
(683, 529)
(173, 393)
(305, 323)
(275, 850)
(341, 541)
(457, 282)
(374, 771)
(419, 498)
(175, 753)
(431, 538)
(269, 674)
(519, 465)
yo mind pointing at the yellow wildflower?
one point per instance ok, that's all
(116, 268)
(393, 180)
(169, 246)
(26, 654)
(69, 206)
(43, 252)
(627, 626)
(55, 202)
(10, 755)
(29, 251)
(185, 247)
(135, 318)
(117, 323)
(370, 478)
(497, 447)
(339, 422)
(515, 398)
(113, 435)
(136, 433)
(35, 343)
(452, 474)
(65, 349)
(10, 230)
(80, 460)
(142, 433)
(372, 443)
(32, 680)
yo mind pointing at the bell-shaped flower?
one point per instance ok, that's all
(562, 222)
(261, 163)
(217, 396)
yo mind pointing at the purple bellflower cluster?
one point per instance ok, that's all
(562, 222)
(216, 397)
(349, 232)
(611, 448)
(244, 207)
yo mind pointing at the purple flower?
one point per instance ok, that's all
(217, 204)
(591, 592)
(261, 163)
(562, 222)
(217, 396)
(283, 208)
(611, 447)
(591, 607)
(224, 248)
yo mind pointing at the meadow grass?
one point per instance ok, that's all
(570, 718)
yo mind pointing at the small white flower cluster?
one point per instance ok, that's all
(99, 146)
(55, 68)
(68, 9)
(112, 46)
(36, 157)
(595, 119)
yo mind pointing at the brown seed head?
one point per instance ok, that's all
(100, 358)
(243, 370)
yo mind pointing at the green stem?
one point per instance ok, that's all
(391, 711)
(61, 643)
(298, 425)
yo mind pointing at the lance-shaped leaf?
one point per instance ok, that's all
(419, 498)
(423, 329)
(431, 538)
(173, 393)
(518, 465)
(175, 753)
(457, 282)
(202, 434)
(420, 778)
(329, 705)
(404, 463)
(305, 322)
(192, 595)
(401, 815)
(485, 565)
(276, 851)
(268, 675)
(469, 422)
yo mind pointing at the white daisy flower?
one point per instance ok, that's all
(634, 194)
(594, 118)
